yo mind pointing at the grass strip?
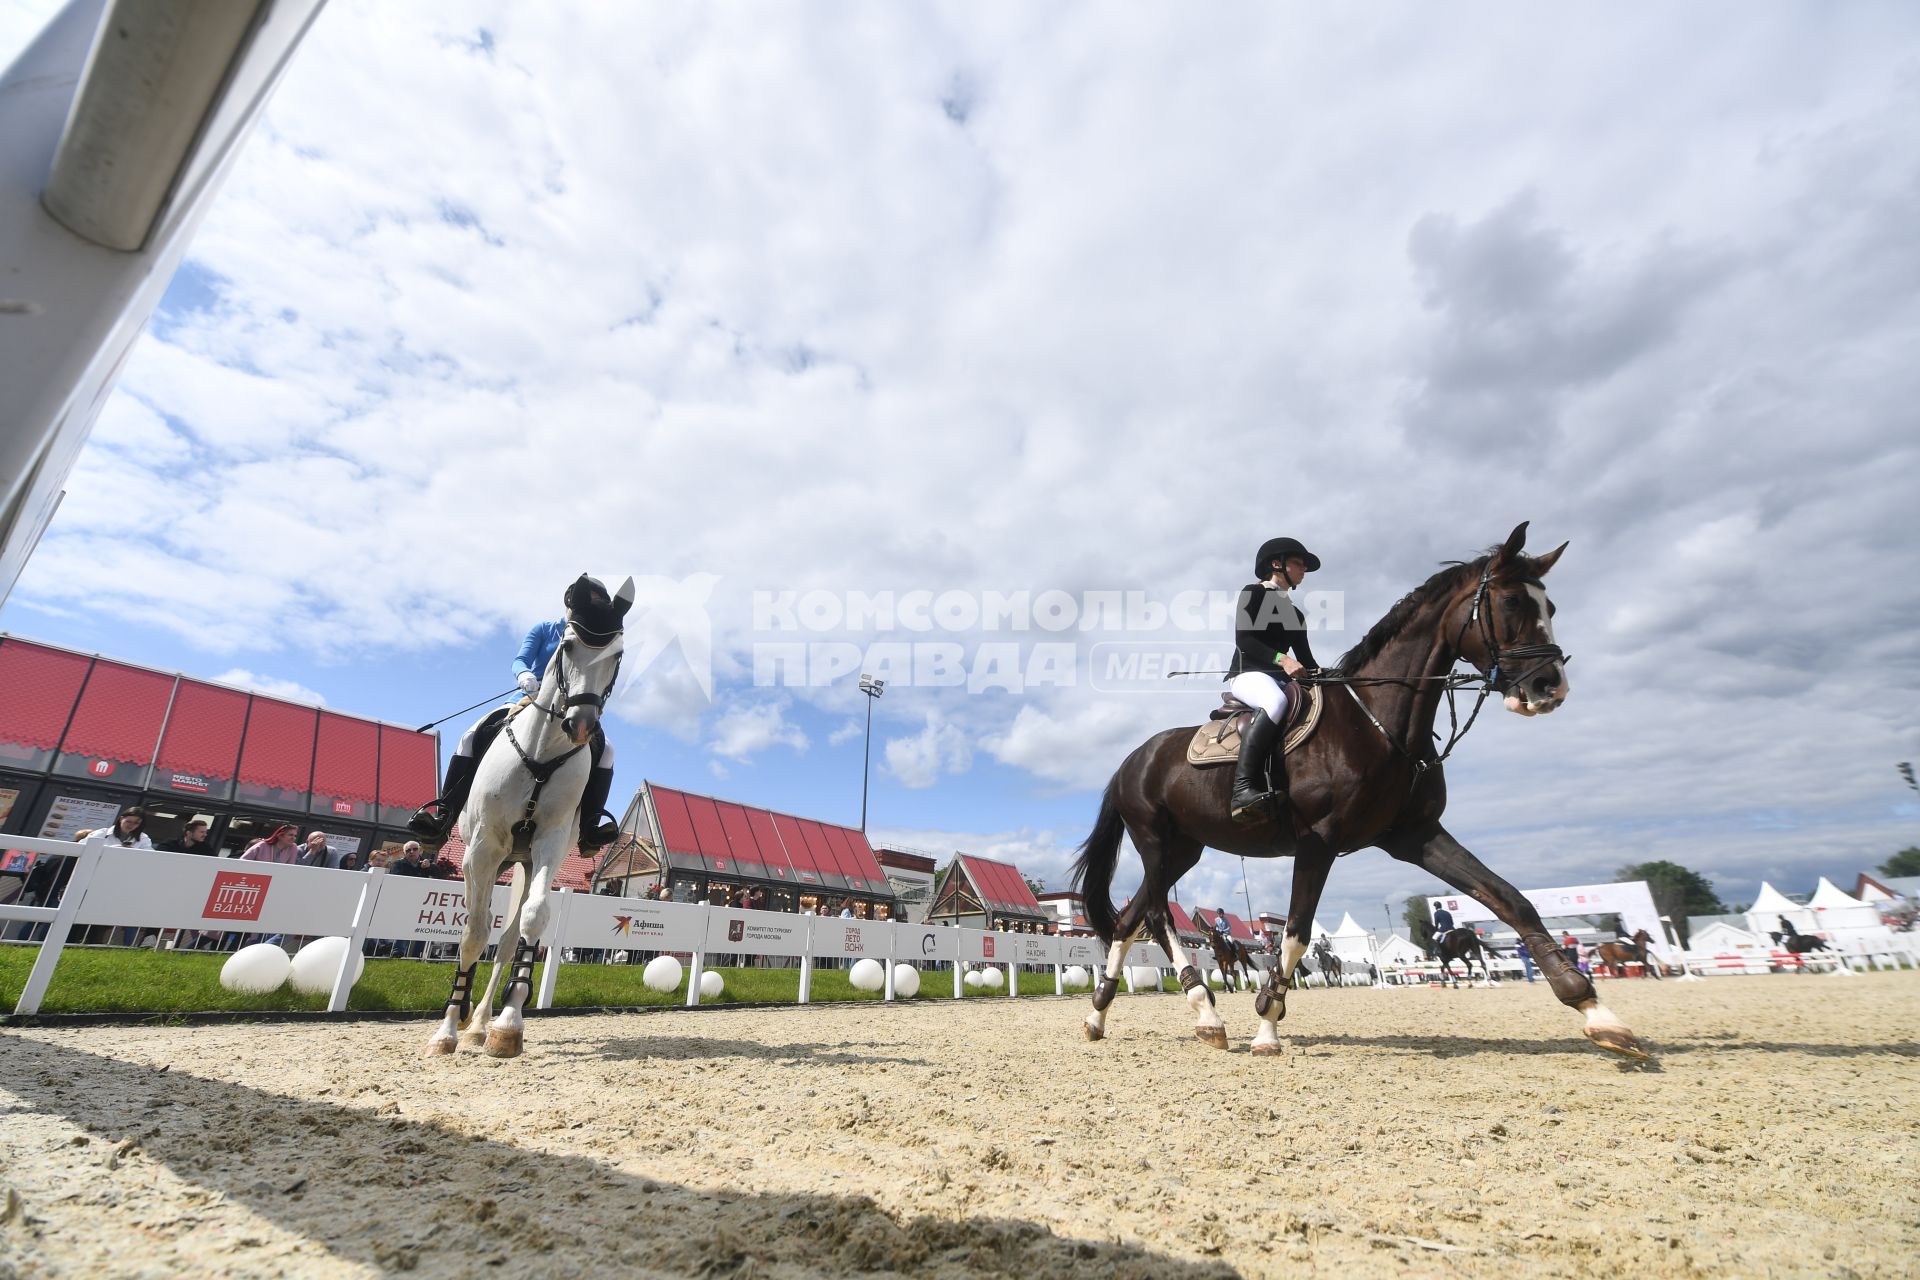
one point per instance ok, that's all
(124, 980)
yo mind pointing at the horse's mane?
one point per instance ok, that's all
(1451, 577)
(1444, 583)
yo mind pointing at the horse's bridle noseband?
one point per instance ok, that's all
(1488, 682)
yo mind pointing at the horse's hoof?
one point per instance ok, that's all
(1215, 1036)
(473, 1039)
(503, 1044)
(1616, 1040)
(1265, 1049)
(1092, 1032)
(438, 1048)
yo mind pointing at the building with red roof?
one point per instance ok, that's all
(979, 893)
(82, 735)
(720, 851)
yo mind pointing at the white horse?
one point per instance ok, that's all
(526, 800)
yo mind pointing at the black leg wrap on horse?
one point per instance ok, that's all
(521, 975)
(1190, 978)
(462, 996)
(1104, 993)
(1562, 974)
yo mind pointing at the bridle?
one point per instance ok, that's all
(1487, 682)
(543, 770)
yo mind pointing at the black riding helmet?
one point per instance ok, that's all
(1283, 550)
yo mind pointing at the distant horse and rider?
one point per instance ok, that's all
(1231, 956)
(1466, 946)
(1617, 955)
(1796, 943)
(1330, 966)
(1364, 773)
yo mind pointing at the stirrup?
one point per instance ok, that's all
(431, 821)
(599, 837)
(1261, 808)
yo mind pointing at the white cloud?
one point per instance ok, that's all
(847, 732)
(744, 731)
(938, 749)
(272, 686)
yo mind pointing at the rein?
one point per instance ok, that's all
(1452, 683)
(543, 770)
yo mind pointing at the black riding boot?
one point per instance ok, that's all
(598, 828)
(433, 821)
(1254, 800)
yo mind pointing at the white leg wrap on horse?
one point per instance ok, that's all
(1601, 1016)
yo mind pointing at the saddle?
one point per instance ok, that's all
(1218, 741)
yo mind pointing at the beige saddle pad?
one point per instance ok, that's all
(1218, 741)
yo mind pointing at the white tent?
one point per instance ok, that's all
(1763, 917)
(1352, 943)
(1319, 931)
(1874, 893)
(1398, 951)
(1843, 916)
(1720, 937)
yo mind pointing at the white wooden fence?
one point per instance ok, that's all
(147, 889)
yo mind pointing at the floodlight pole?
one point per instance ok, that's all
(873, 689)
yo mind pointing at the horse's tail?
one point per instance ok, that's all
(1093, 869)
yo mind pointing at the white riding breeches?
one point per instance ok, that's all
(1258, 689)
(466, 744)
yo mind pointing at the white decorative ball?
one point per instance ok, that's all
(711, 985)
(1146, 976)
(256, 970)
(973, 978)
(993, 979)
(315, 968)
(867, 975)
(1074, 978)
(663, 973)
(906, 981)
(1216, 976)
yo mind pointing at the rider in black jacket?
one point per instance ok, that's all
(1270, 648)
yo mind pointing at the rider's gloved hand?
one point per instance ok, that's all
(529, 683)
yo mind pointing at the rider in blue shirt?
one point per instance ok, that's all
(598, 828)
(1442, 923)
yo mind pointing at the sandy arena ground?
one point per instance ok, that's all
(1402, 1133)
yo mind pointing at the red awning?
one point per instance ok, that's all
(278, 751)
(711, 836)
(1182, 922)
(746, 849)
(779, 862)
(120, 714)
(41, 685)
(806, 868)
(345, 759)
(822, 853)
(1001, 886)
(409, 768)
(203, 730)
(677, 836)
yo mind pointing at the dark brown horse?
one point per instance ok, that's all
(1618, 955)
(1462, 945)
(1232, 958)
(1369, 776)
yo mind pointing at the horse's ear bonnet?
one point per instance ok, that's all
(595, 618)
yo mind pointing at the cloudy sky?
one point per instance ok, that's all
(882, 298)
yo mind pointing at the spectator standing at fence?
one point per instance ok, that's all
(276, 846)
(846, 909)
(1526, 959)
(1571, 945)
(127, 831)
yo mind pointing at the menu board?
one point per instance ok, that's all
(71, 813)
